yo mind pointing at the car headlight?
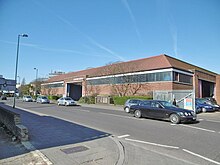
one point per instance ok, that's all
(186, 114)
(181, 113)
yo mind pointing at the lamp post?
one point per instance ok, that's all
(36, 82)
(18, 80)
(16, 64)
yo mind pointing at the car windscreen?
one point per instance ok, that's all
(28, 97)
(44, 97)
(68, 98)
(166, 104)
(200, 101)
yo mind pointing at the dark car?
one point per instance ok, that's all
(3, 97)
(129, 103)
(213, 102)
(203, 106)
(158, 109)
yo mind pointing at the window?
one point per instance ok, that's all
(180, 77)
(147, 77)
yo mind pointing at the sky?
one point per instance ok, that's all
(72, 35)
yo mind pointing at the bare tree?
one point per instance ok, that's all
(121, 82)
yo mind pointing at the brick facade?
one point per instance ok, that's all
(217, 89)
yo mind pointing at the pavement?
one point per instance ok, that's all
(59, 142)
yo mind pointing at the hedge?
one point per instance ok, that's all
(87, 99)
(121, 100)
(52, 97)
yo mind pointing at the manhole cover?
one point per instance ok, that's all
(74, 149)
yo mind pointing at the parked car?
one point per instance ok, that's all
(203, 106)
(213, 102)
(129, 103)
(158, 109)
(27, 99)
(66, 101)
(42, 99)
(3, 97)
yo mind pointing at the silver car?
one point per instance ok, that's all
(66, 101)
(27, 99)
(42, 99)
(129, 103)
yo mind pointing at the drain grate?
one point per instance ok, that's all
(74, 149)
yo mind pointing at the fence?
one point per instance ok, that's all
(181, 96)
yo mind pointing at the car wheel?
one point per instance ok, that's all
(175, 119)
(127, 109)
(65, 104)
(58, 103)
(137, 114)
(203, 110)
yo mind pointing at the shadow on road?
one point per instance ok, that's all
(46, 131)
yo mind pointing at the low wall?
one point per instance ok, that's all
(12, 121)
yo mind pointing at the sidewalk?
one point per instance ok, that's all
(60, 142)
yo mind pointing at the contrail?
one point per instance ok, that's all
(125, 2)
(52, 49)
(173, 31)
(90, 39)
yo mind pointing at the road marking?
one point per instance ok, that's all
(200, 156)
(36, 152)
(200, 119)
(203, 129)
(123, 136)
(154, 144)
(173, 124)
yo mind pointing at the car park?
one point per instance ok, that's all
(129, 103)
(66, 101)
(203, 106)
(27, 98)
(158, 109)
(42, 100)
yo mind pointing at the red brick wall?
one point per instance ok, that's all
(217, 89)
(52, 91)
(144, 88)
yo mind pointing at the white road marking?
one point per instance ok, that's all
(200, 119)
(154, 144)
(203, 129)
(200, 156)
(172, 124)
(123, 136)
(36, 153)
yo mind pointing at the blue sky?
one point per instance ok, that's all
(72, 35)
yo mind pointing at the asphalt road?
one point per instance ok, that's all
(146, 141)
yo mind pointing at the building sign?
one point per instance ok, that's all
(188, 104)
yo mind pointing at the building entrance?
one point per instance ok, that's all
(74, 90)
(206, 88)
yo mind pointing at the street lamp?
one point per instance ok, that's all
(36, 82)
(18, 80)
(16, 64)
